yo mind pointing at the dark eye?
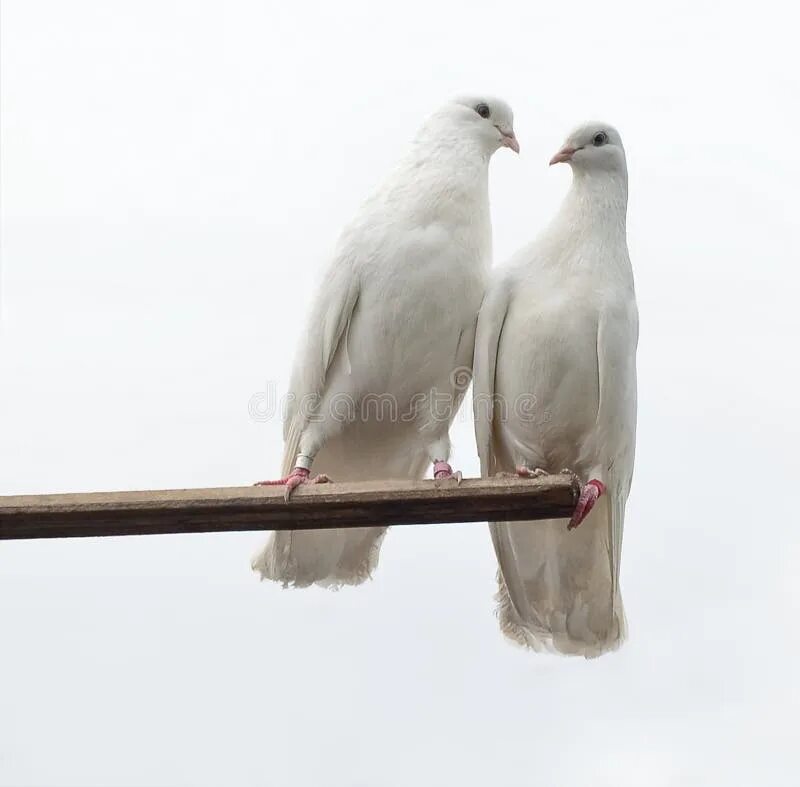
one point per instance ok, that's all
(483, 110)
(600, 138)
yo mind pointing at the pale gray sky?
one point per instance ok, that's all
(173, 175)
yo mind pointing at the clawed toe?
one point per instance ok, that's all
(588, 497)
(523, 471)
(572, 474)
(297, 477)
(442, 471)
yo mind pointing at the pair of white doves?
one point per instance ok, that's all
(408, 304)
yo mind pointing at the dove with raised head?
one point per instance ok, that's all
(555, 391)
(386, 354)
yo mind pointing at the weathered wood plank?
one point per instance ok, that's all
(263, 508)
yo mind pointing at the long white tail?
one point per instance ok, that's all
(555, 586)
(332, 558)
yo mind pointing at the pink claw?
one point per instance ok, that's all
(589, 495)
(443, 470)
(298, 476)
(525, 472)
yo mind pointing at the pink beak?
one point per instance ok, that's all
(509, 140)
(565, 154)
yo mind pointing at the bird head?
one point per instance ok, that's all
(489, 119)
(593, 147)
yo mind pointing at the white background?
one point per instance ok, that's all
(173, 175)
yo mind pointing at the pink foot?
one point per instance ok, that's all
(443, 470)
(521, 471)
(298, 476)
(525, 472)
(589, 495)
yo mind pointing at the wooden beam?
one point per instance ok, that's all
(263, 508)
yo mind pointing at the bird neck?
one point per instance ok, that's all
(596, 203)
(453, 150)
(451, 173)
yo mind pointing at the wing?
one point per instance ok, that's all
(491, 319)
(618, 334)
(325, 334)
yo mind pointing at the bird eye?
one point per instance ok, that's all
(483, 110)
(600, 138)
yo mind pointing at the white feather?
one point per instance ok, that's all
(394, 320)
(556, 376)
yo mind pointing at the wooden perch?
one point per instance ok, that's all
(263, 508)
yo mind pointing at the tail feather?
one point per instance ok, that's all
(342, 556)
(557, 589)
(329, 558)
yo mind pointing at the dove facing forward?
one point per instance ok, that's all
(558, 329)
(387, 351)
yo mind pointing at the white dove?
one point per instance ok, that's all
(555, 388)
(387, 352)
